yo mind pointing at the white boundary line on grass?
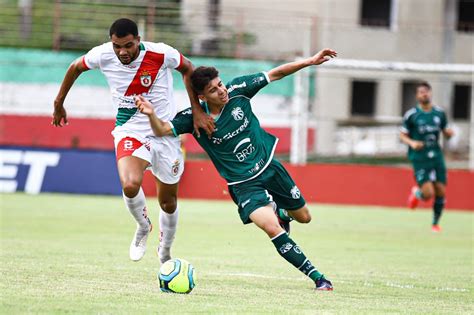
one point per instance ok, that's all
(366, 283)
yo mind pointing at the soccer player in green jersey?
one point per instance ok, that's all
(420, 131)
(243, 154)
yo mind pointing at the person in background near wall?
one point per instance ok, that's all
(420, 131)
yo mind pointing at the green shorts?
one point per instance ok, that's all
(430, 171)
(273, 185)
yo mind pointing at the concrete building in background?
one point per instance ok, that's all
(421, 31)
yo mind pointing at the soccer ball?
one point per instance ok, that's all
(176, 276)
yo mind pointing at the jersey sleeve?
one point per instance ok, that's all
(406, 123)
(182, 122)
(91, 60)
(249, 85)
(173, 57)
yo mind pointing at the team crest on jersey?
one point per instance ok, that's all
(238, 113)
(436, 120)
(145, 78)
(295, 192)
(175, 168)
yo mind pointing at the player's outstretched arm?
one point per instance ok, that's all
(73, 72)
(200, 118)
(159, 127)
(291, 67)
(414, 144)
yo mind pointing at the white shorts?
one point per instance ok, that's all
(163, 153)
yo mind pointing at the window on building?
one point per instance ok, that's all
(376, 13)
(465, 16)
(461, 101)
(408, 95)
(363, 98)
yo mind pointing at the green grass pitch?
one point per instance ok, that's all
(69, 254)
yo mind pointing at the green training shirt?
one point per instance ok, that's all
(239, 148)
(424, 126)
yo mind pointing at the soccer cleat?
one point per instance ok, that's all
(323, 284)
(164, 253)
(284, 224)
(436, 228)
(412, 200)
(138, 245)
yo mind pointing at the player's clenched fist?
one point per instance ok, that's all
(143, 105)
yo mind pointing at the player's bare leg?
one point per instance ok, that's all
(425, 192)
(167, 197)
(438, 205)
(301, 215)
(266, 220)
(130, 169)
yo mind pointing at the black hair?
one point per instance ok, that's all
(201, 78)
(123, 27)
(423, 84)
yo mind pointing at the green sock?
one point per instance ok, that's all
(438, 206)
(283, 214)
(295, 256)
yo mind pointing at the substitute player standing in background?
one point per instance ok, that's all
(134, 67)
(242, 152)
(420, 131)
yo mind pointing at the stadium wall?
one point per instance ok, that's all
(36, 170)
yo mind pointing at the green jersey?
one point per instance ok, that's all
(239, 148)
(424, 126)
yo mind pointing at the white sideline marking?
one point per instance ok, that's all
(401, 286)
(452, 289)
(366, 283)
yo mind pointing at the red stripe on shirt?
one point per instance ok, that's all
(146, 74)
(181, 59)
(84, 63)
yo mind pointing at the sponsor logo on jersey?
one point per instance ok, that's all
(245, 153)
(238, 113)
(175, 168)
(258, 79)
(216, 140)
(427, 128)
(285, 248)
(242, 142)
(257, 166)
(295, 192)
(230, 135)
(145, 78)
(236, 86)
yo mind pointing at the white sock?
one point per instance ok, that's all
(137, 208)
(168, 223)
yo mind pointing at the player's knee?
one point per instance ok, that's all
(427, 194)
(306, 218)
(272, 229)
(169, 205)
(131, 188)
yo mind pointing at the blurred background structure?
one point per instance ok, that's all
(353, 106)
(348, 110)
